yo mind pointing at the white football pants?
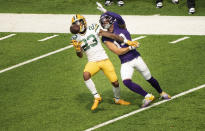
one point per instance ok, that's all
(127, 69)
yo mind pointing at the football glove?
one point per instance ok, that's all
(128, 42)
(76, 45)
(100, 8)
(132, 47)
(132, 43)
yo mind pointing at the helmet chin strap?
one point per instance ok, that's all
(82, 29)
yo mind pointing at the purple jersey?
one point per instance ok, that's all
(117, 30)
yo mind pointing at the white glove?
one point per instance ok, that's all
(100, 7)
(132, 47)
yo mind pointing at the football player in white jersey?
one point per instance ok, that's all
(87, 40)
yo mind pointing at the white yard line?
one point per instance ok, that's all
(5, 37)
(141, 37)
(47, 38)
(45, 55)
(34, 59)
(178, 40)
(142, 109)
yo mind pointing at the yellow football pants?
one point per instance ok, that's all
(105, 65)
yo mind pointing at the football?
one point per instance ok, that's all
(74, 28)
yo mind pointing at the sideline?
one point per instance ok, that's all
(142, 109)
(59, 23)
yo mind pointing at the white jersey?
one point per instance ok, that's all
(91, 43)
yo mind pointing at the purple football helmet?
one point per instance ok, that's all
(106, 21)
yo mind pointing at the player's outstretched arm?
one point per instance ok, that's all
(100, 8)
(111, 35)
(119, 19)
(119, 51)
(118, 38)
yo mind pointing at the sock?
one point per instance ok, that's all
(155, 84)
(91, 86)
(135, 87)
(116, 91)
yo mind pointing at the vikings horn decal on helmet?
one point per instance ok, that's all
(106, 21)
(80, 20)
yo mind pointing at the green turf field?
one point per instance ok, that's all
(49, 94)
(136, 7)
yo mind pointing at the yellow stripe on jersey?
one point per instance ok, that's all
(96, 27)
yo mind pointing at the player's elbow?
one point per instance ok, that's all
(79, 54)
(118, 52)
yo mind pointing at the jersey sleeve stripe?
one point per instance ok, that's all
(96, 27)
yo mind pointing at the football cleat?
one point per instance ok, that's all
(147, 100)
(159, 5)
(165, 96)
(191, 10)
(175, 1)
(120, 3)
(96, 102)
(108, 3)
(121, 102)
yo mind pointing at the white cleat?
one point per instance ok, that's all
(108, 3)
(159, 5)
(175, 1)
(147, 100)
(191, 10)
(120, 3)
(165, 96)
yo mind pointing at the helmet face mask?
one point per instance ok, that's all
(106, 21)
(80, 20)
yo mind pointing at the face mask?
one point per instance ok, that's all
(107, 26)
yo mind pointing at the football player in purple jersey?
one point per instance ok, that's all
(131, 59)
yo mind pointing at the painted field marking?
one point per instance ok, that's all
(5, 37)
(47, 38)
(142, 109)
(35, 59)
(141, 37)
(40, 57)
(178, 40)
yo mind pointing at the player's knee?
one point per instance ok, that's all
(115, 84)
(127, 82)
(147, 75)
(86, 76)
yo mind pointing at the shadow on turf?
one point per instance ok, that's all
(107, 97)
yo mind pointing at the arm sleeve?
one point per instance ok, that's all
(119, 19)
(75, 37)
(106, 39)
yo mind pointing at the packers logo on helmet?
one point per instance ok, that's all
(80, 20)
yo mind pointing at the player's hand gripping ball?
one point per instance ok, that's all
(74, 29)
